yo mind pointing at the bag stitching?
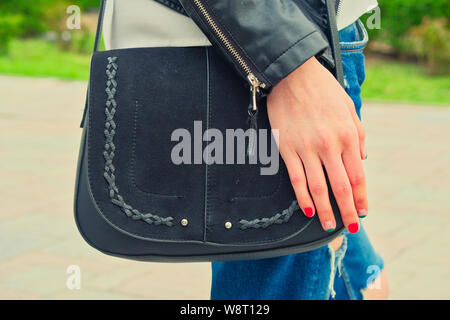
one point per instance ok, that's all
(278, 218)
(109, 149)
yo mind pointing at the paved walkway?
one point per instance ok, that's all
(409, 182)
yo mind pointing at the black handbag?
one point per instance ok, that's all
(133, 201)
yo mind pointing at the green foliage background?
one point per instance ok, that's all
(30, 17)
(398, 16)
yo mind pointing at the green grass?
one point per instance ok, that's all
(37, 58)
(386, 80)
(401, 82)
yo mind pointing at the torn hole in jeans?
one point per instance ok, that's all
(336, 257)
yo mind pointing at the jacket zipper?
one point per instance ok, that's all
(339, 8)
(255, 83)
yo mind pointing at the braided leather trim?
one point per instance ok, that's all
(278, 218)
(109, 152)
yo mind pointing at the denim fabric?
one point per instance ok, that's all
(320, 274)
(353, 40)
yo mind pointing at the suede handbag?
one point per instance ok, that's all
(133, 201)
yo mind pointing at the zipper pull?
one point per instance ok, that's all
(252, 122)
(253, 112)
(254, 89)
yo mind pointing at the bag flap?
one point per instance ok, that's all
(141, 101)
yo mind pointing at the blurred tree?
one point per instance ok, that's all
(10, 24)
(399, 16)
(36, 16)
(26, 18)
(87, 4)
(431, 41)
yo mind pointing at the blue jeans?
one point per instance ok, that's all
(323, 273)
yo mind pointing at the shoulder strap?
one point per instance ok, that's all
(98, 34)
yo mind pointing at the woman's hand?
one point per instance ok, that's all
(318, 126)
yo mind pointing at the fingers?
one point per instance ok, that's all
(342, 191)
(319, 191)
(361, 132)
(354, 167)
(362, 139)
(298, 180)
(355, 172)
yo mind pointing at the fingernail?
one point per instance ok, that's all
(328, 226)
(362, 213)
(308, 212)
(353, 227)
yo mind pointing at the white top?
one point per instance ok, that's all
(146, 23)
(350, 10)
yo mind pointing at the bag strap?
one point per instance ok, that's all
(98, 33)
(98, 36)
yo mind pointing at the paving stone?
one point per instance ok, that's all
(39, 280)
(171, 281)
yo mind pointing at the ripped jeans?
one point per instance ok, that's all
(323, 273)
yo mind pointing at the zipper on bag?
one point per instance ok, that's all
(255, 84)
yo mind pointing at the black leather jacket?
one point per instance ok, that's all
(265, 40)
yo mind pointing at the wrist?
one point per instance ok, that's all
(306, 71)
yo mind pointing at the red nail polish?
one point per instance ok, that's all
(353, 227)
(308, 212)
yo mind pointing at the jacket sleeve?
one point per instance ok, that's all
(265, 37)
